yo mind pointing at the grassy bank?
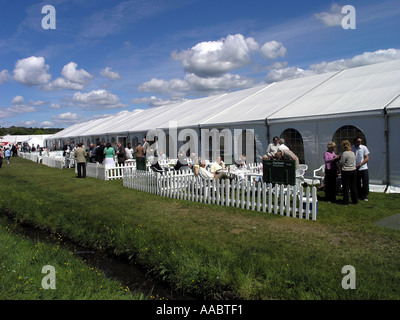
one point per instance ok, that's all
(21, 274)
(210, 250)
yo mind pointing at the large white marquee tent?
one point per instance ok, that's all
(309, 112)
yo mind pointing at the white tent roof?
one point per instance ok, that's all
(36, 139)
(368, 89)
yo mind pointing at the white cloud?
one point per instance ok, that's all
(284, 74)
(28, 123)
(72, 78)
(61, 83)
(47, 124)
(107, 73)
(226, 82)
(16, 109)
(99, 99)
(331, 18)
(281, 72)
(55, 106)
(4, 76)
(213, 58)
(273, 49)
(67, 118)
(70, 73)
(156, 102)
(161, 86)
(31, 71)
(17, 100)
(196, 84)
(19, 107)
(357, 61)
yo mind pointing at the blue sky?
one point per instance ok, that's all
(107, 57)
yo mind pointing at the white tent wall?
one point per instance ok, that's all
(315, 106)
(317, 134)
(394, 150)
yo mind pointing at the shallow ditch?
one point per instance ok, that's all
(112, 267)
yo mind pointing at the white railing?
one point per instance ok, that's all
(290, 201)
(53, 162)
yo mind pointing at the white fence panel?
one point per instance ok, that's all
(289, 201)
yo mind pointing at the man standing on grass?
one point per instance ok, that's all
(80, 155)
(362, 157)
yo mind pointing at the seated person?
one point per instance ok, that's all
(282, 145)
(157, 167)
(200, 170)
(242, 162)
(287, 155)
(182, 163)
(217, 167)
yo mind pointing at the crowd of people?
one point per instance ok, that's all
(12, 150)
(349, 169)
(277, 150)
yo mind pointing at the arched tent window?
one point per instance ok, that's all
(294, 141)
(347, 132)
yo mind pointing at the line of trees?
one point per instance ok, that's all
(20, 131)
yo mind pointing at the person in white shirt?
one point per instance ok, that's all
(273, 147)
(217, 167)
(362, 157)
(282, 145)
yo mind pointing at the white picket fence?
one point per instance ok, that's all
(290, 201)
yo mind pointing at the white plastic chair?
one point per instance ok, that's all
(304, 167)
(318, 175)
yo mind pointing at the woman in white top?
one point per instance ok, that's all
(349, 174)
(129, 151)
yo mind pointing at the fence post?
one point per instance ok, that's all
(314, 203)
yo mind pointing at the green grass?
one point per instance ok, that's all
(21, 272)
(214, 251)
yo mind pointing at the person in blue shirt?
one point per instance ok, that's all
(8, 155)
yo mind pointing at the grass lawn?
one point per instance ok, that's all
(212, 251)
(23, 277)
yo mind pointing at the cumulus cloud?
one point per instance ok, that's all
(273, 49)
(31, 71)
(17, 100)
(213, 58)
(4, 76)
(67, 118)
(72, 78)
(155, 101)
(70, 73)
(17, 107)
(98, 99)
(282, 72)
(357, 61)
(161, 86)
(331, 18)
(47, 124)
(195, 84)
(226, 82)
(107, 73)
